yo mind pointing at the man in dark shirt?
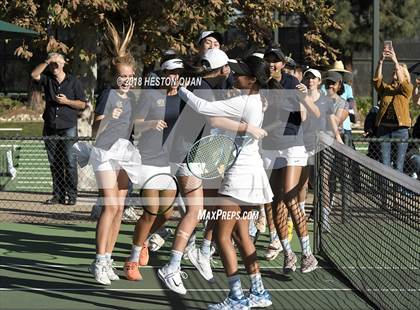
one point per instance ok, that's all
(64, 98)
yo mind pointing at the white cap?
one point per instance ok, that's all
(213, 34)
(172, 64)
(315, 72)
(261, 55)
(216, 58)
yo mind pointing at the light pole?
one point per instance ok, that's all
(375, 43)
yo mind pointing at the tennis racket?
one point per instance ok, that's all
(159, 191)
(213, 155)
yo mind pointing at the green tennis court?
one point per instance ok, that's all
(45, 267)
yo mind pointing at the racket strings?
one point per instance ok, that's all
(211, 156)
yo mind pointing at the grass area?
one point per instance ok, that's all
(29, 129)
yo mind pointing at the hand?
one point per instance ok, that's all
(53, 58)
(159, 125)
(302, 87)
(367, 134)
(383, 56)
(116, 113)
(256, 132)
(62, 99)
(393, 56)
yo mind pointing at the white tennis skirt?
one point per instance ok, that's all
(247, 181)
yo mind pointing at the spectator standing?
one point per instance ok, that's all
(393, 119)
(64, 98)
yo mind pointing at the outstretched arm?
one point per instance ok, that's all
(226, 108)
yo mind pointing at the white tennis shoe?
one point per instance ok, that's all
(202, 263)
(173, 279)
(100, 271)
(111, 271)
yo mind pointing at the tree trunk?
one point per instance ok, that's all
(35, 101)
(85, 67)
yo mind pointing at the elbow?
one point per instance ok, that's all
(35, 76)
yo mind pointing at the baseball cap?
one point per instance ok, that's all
(277, 52)
(290, 63)
(215, 58)
(172, 64)
(261, 55)
(251, 66)
(333, 76)
(213, 34)
(315, 72)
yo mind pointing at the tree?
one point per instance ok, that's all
(74, 27)
(398, 19)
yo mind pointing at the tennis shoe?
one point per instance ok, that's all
(173, 279)
(262, 300)
(231, 303)
(308, 263)
(99, 269)
(202, 263)
(111, 271)
(273, 250)
(290, 260)
(131, 271)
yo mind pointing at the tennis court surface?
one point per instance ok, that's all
(44, 266)
(367, 243)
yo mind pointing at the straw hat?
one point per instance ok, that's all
(338, 66)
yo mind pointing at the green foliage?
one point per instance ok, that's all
(168, 24)
(398, 19)
(7, 104)
(364, 104)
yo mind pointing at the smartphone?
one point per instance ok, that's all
(388, 45)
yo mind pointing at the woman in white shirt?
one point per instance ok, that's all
(244, 186)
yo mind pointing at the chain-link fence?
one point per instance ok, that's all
(29, 168)
(409, 159)
(32, 170)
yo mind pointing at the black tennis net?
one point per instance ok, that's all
(367, 225)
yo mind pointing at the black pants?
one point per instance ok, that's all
(62, 160)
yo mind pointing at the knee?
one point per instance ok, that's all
(147, 217)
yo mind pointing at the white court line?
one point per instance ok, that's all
(201, 289)
(167, 290)
(213, 267)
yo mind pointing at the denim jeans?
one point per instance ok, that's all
(400, 133)
(62, 160)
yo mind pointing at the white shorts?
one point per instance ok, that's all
(109, 165)
(292, 156)
(162, 181)
(181, 169)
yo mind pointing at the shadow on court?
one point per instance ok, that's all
(44, 266)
